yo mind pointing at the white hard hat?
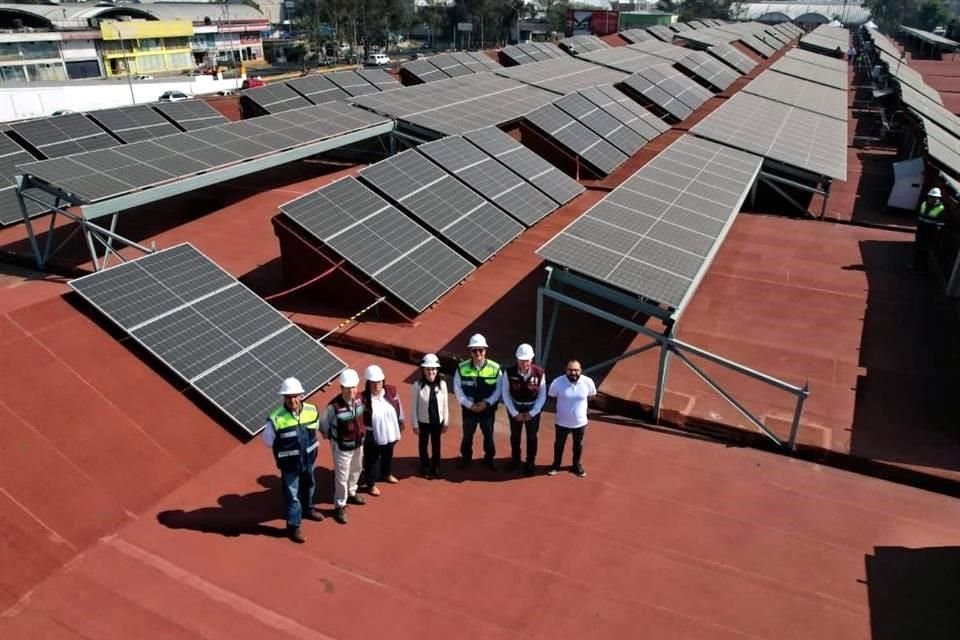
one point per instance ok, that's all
(373, 374)
(524, 352)
(477, 341)
(291, 387)
(935, 192)
(349, 378)
(430, 361)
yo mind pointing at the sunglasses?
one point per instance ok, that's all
(477, 350)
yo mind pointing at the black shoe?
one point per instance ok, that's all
(530, 469)
(313, 514)
(425, 472)
(579, 471)
(295, 535)
(436, 473)
(490, 464)
(357, 500)
(512, 465)
(340, 515)
(463, 463)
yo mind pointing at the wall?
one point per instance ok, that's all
(38, 100)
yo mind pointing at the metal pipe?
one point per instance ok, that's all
(632, 352)
(795, 425)
(739, 368)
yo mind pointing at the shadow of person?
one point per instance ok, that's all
(237, 515)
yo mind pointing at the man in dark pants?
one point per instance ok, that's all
(524, 392)
(572, 391)
(929, 223)
(477, 387)
(291, 431)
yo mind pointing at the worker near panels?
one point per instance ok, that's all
(431, 414)
(383, 418)
(524, 392)
(343, 426)
(477, 387)
(930, 221)
(573, 391)
(291, 431)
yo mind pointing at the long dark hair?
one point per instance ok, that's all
(423, 378)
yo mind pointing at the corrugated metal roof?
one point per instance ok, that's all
(849, 14)
(68, 14)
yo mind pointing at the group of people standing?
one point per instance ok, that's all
(364, 425)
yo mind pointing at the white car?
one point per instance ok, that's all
(173, 96)
(143, 76)
(378, 60)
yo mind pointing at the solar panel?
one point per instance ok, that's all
(579, 44)
(483, 59)
(793, 136)
(641, 121)
(490, 179)
(379, 78)
(453, 211)
(658, 96)
(669, 89)
(550, 49)
(63, 135)
(190, 115)
(211, 330)
(317, 89)
(622, 58)
(379, 241)
(636, 35)
(703, 66)
(132, 124)
(811, 72)
(800, 93)
(733, 57)
(758, 45)
(577, 138)
(662, 32)
(526, 164)
(818, 59)
(562, 76)
(942, 146)
(274, 98)
(422, 71)
(352, 82)
(663, 50)
(601, 123)
(703, 38)
(930, 110)
(11, 155)
(449, 65)
(110, 172)
(533, 51)
(468, 61)
(655, 235)
(515, 56)
(10, 205)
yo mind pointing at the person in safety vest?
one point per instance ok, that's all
(383, 418)
(477, 387)
(291, 431)
(929, 223)
(343, 426)
(524, 393)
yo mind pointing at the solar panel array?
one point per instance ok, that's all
(492, 180)
(275, 98)
(447, 65)
(562, 76)
(800, 93)
(669, 89)
(655, 235)
(622, 59)
(577, 138)
(379, 79)
(379, 241)
(817, 59)
(733, 57)
(942, 145)
(579, 44)
(759, 44)
(213, 332)
(352, 83)
(921, 105)
(63, 135)
(132, 124)
(441, 202)
(601, 123)
(680, 27)
(814, 73)
(636, 35)
(11, 155)
(662, 32)
(471, 63)
(526, 164)
(457, 105)
(703, 38)
(704, 66)
(625, 110)
(663, 50)
(793, 136)
(317, 89)
(111, 172)
(191, 115)
(540, 51)
(484, 59)
(826, 39)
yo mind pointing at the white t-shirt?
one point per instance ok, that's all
(572, 400)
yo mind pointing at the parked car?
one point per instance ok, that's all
(252, 83)
(143, 76)
(378, 60)
(173, 96)
(61, 112)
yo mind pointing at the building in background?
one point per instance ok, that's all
(803, 14)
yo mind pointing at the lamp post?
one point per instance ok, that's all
(126, 63)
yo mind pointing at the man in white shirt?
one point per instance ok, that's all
(572, 391)
(524, 392)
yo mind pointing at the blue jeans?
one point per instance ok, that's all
(297, 487)
(471, 421)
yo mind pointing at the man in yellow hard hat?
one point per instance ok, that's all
(291, 431)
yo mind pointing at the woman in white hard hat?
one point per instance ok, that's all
(431, 414)
(343, 426)
(383, 418)
(291, 431)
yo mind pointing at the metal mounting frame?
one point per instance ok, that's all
(555, 288)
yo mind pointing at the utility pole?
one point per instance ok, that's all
(126, 63)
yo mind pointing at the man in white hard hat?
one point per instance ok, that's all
(524, 393)
(477, 387)
(930, 221)
(291, 431)
(343, 426)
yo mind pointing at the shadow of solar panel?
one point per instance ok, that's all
(209, 329)
(63, 135)
(648, 237)
(490, 179)
(317, 89)
(274, 98)
(442, 203)
(132, 124)
(601, 123)
(190, 114)
(577, 138)
(560, 187)
(380, 241)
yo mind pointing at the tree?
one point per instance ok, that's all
(932, 14)
(890, 14)
(694, 9)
